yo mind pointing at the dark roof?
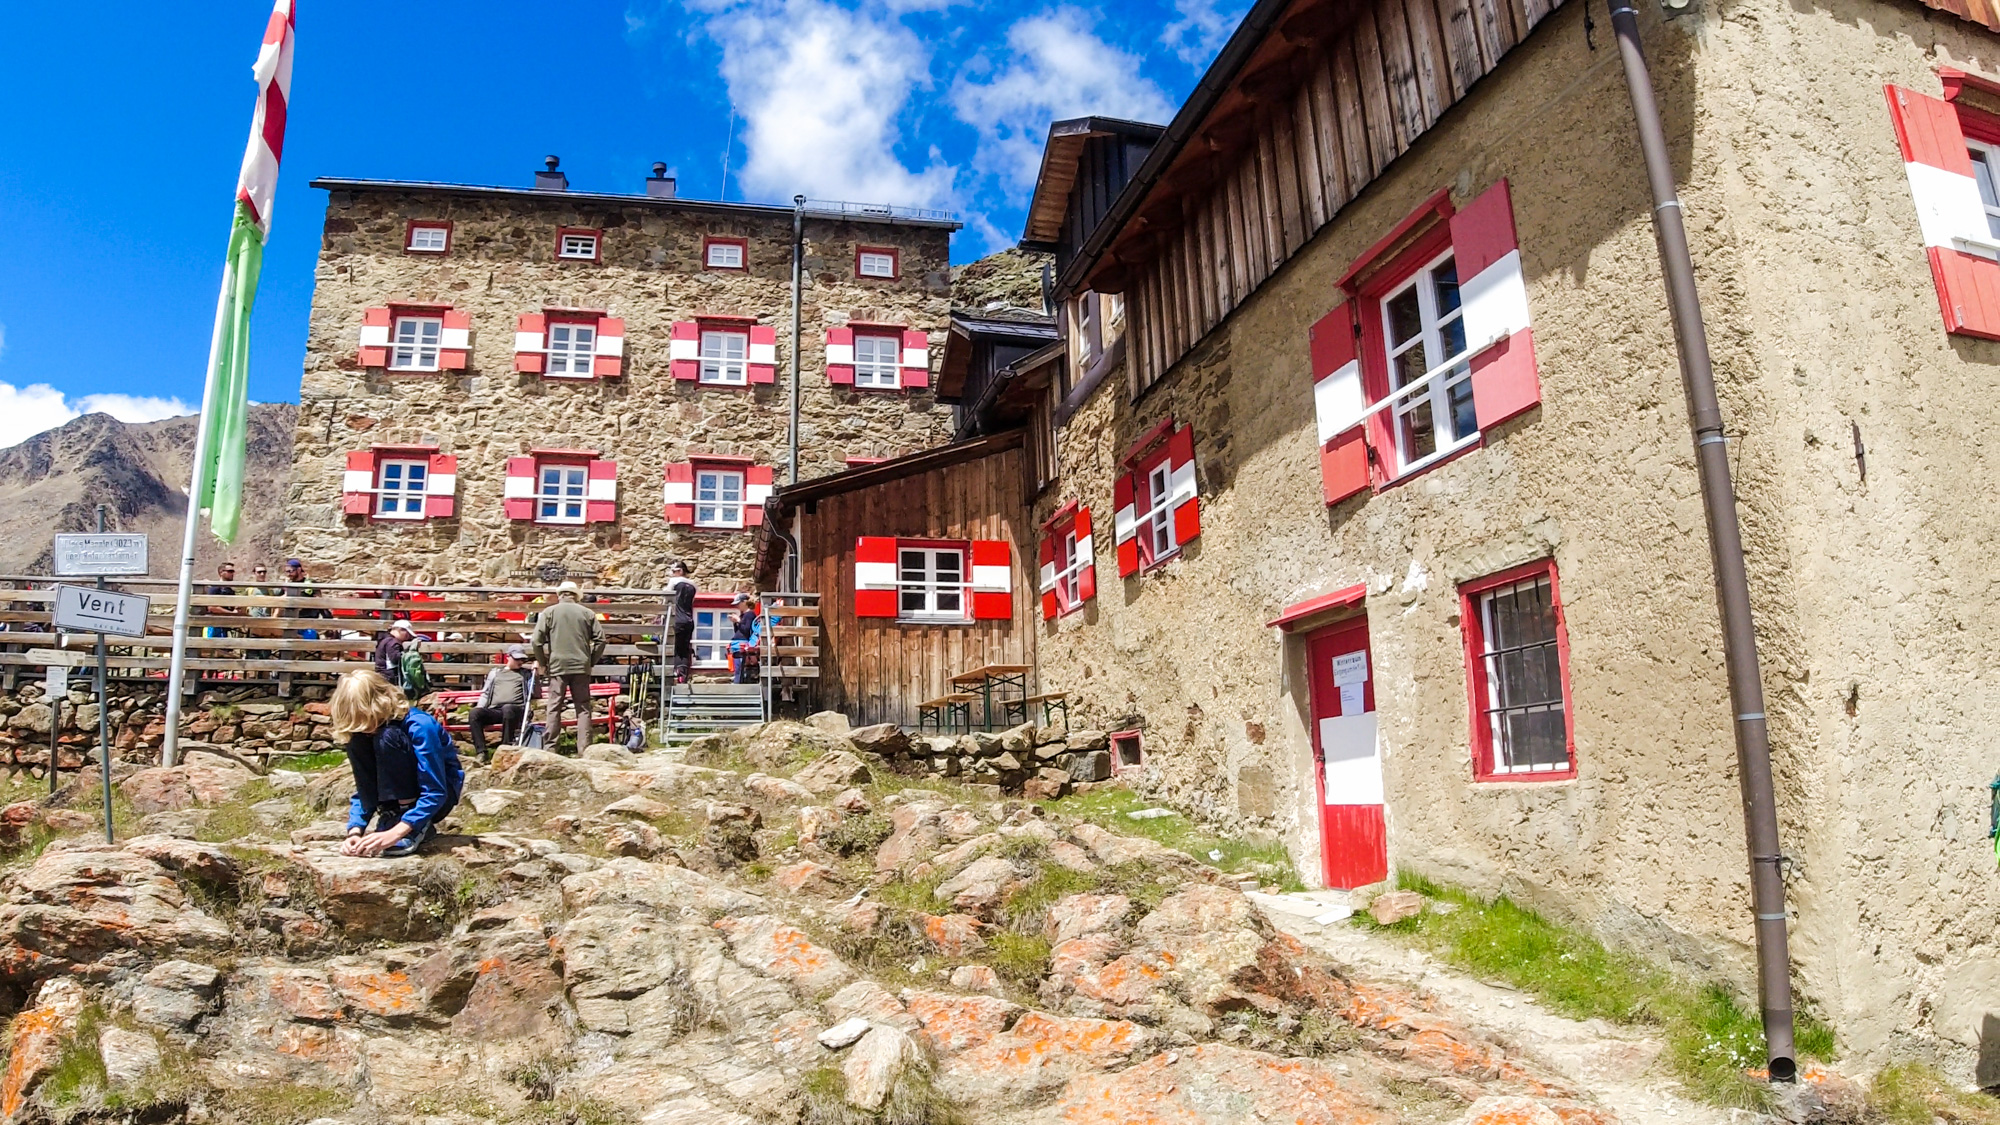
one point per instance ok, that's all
(1058, 172)
(853, 213)
(1007, 320)
(1004, 326)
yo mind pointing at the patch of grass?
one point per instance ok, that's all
(857, 834)
(914, 1100)
(1029, 902)
(1712, 1040)
(78, 1076)
(1916, 1094)
(310, 763)
(1107, 808)
(1022, 959)
(289, 1104)
(566, 1110)
(911, 894)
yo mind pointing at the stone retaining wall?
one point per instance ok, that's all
(247, 721)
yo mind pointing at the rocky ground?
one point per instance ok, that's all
(774, 927)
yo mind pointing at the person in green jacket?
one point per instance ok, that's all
(568, 642)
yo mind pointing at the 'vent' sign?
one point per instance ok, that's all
(84, 610)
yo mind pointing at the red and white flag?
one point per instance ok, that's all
(257, 185)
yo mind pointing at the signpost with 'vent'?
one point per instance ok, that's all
(97, 610)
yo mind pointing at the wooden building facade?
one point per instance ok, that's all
(893, 633)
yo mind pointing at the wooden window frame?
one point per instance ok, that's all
(571, 320)
(1151, 514)
(895, 338)
(1069, 574)
(719, 470)
(727, 633)
(545, 462)
(963, 549)
(403, 457)
(410, 235)
(397, 317)
(1385, 281)
(894, 255)
(596, 235)
(704, 327)
(1478, 686)
(742, 250)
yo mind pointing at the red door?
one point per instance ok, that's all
(1353, 836)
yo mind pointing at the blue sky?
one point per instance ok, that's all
(123, 136)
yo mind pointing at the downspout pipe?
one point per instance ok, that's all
(1725, 542)
(798, 276)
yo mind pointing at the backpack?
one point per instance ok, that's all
(416, 682)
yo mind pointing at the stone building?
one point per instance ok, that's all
(501, 382)
(1470, 629)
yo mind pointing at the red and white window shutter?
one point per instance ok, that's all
(684, 352)
(1494, 295)
(915, 369)
(840, 357)
(441, 487)
(763, 353)
(680, 493)
(1054, 536)
(1182, 494)
(600, 498)
(608, 356)
(357, 484)
(758, 481)
(992, 580)
(1958, 239)
(531, 353)
(455, 341)
(375, 337)
(875, 576)
(1125, 525)
(1086, 557)
(1339, 398)
(1050, 565)
(518, 494)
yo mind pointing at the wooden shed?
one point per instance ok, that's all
(923, 566)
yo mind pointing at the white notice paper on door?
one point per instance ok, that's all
(1351, 698)
(1350, 668)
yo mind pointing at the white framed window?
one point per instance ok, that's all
(1156, 526)
(1986, 173)
(877, 361)
(1068, 591)
(399, 489)
(725, 357)
(571, 347)
(429, 239)
(718, 498)
(414, 345)
(725, 256)
(875, 263)
(930, 584)
(560, 495)
(1429, 370)
(713, 631)
(582, 246)
(1522, 676)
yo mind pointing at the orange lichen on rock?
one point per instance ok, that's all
(1214, 1084)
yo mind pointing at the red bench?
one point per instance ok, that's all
(444, 702)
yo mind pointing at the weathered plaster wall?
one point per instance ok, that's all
(1821, 312)
(502, 265)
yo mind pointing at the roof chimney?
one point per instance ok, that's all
(660, 185)
(551, 180)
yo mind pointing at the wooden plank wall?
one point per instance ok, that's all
(876, 670)
(1361, 100)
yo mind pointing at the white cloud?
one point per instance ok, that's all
(1059, 68)
(1201, 31)
(820, 89)
(27, 411)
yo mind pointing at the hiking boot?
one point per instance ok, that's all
(408, 845)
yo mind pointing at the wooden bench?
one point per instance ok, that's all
(1051, 702)
(443, 703)
(946, 711)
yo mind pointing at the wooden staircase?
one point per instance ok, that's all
(791, 636)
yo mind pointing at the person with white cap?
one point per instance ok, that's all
(568, 642)
(389, 651)
(502, 700)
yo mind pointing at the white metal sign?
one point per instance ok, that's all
(86, 610)
(67, 658)
(86, 556)
(55, 681)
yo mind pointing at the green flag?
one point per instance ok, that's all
(226, 402)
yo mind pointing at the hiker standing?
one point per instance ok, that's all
(568, 643)
(680, 621)
(503, 699)
(748, 634)
(406, 773)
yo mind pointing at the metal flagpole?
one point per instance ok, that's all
(176, 667)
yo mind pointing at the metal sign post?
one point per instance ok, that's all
(100, 611)
(55, 686)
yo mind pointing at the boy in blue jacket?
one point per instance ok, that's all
(406, 771)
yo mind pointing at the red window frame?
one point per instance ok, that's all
(596, 247)
(1116, 743)
(1142, 506)
(410, 229)
(880, 331)
(1375, 348)
(895, 263)
(742, 244)
(1477, 686)
(1068, 599)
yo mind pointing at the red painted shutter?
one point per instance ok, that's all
(1050, 574)
(457, 331)
(600, 501)
(684, 351)
(374, 337)
(840, 343)
(992, 580)
(441, 487)
(1494, 295)
(360, 468)
(531, 335)
(1338, 398)
(875, 576)
(519, 494)
(763, 342)
(1086, 548)
(1125, 525)
(609, 358)
(1181, 484)
(1948, 210)
(680, 493)
(915, 374)
(758, 481)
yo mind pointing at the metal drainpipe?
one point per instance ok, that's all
(798, 274)
(1725, 541)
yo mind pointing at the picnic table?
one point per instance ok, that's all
(990, 682)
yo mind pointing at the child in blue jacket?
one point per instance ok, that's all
(406, 771)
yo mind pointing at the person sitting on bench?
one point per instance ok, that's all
(503, 700)
(406, 774)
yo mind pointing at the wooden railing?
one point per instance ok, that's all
(791, 636)
(466, 627)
